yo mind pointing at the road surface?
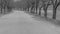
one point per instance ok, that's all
(19, 22)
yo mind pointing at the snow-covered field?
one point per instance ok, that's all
(19, 22)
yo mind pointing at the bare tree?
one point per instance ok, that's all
(55, 4)
(4, 4)
(44, 4)
(45, 7)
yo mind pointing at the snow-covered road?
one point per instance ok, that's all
(19, 22)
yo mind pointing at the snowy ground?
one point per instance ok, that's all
(19, 22)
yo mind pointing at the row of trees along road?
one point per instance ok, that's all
(5, 5)
(38, 4)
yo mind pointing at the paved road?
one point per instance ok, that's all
(19, 22)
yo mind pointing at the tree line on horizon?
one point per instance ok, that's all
(31, 5)
(5, 5)
(39, 4)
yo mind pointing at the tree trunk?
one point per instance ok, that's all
(28, 9)
(24, 9)
(45, 11)
(1, 10)
(4, 9)
(36, 10)
(54, 12)
(32, 9)
(40, 11)
(37, 4)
